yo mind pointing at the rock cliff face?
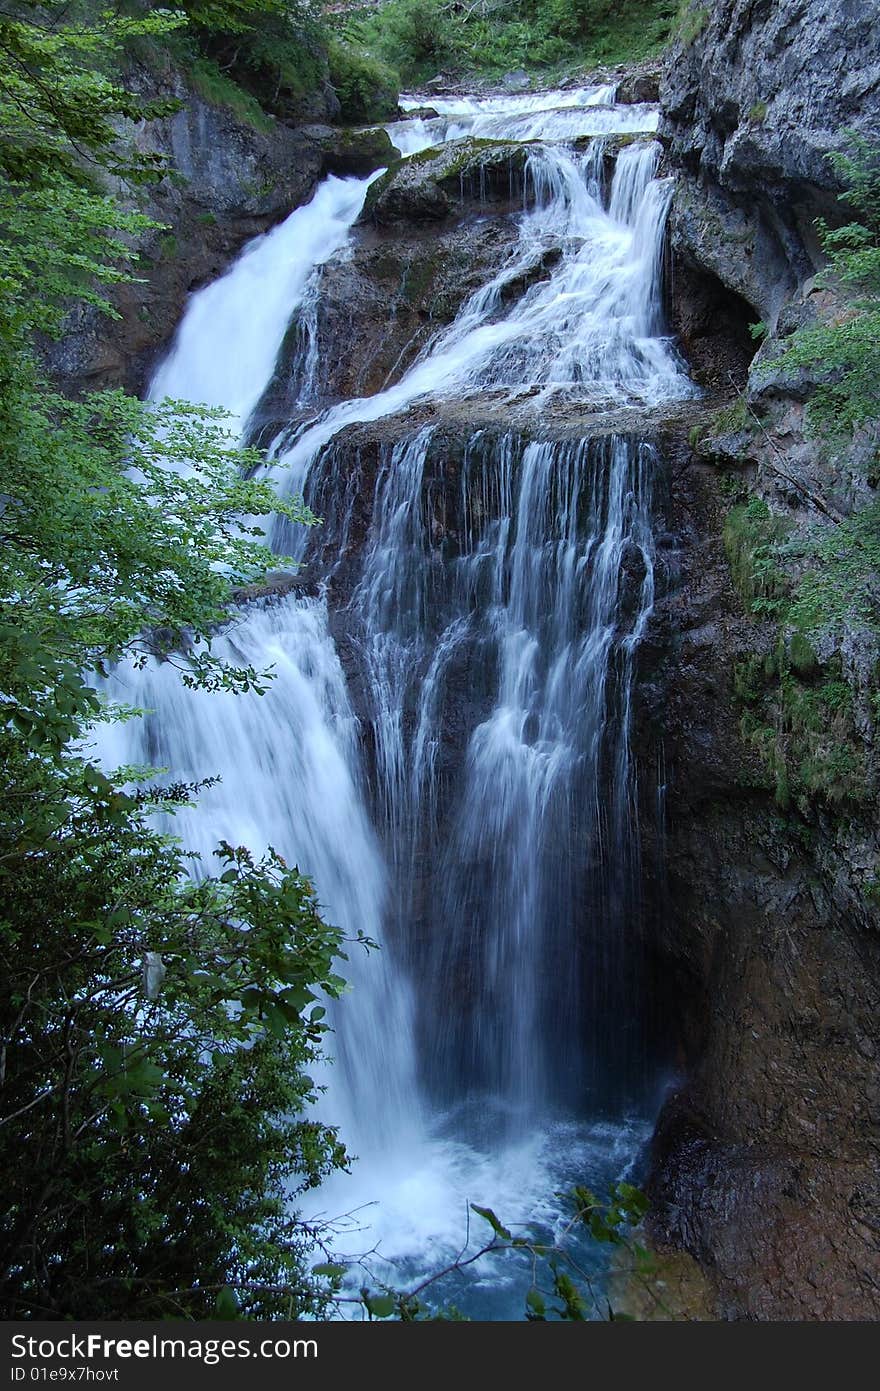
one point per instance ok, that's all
(765, 1160)
(755, 96)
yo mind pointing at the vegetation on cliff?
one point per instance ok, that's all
(812, 706)
(283, 56)
(846, 348)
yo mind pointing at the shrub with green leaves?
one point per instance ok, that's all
(822, 581)
(416, 37)
(273, 49)
(751, 532)
(844, 353)
(365, 86)
(799, 713)
(420, 38)
(156, 1035)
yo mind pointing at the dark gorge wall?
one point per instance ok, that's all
(765, 1160)
(764, 1163)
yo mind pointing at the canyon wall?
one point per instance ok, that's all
(765, 1159)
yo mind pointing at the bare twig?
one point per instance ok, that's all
(811, 497)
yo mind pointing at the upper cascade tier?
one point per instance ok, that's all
(591, 331)
(554, 115)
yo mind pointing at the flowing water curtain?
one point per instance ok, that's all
(593, 326)
(532, 624)
(445, 748)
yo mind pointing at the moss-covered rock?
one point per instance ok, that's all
(434, 184)
(663, 1286)
(352, 152)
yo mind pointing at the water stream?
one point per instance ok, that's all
(445, 748)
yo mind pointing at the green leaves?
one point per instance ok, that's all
(420, 36)
(536, 1306)
(488, 1216)
(226, 1306)
(379, 1306)
(845, 351)
(155, 1137)
(571, 1295)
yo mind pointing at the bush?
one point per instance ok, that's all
(367, 88)
(218, 89)
(846, 351)
(750, 533)
(421, 37)
(157, 1033)
(275, 51)
(417, 37)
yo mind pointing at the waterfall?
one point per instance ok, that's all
(227, 343)
(593, 326)
(295, 748)
(543, 116)
(445, 749)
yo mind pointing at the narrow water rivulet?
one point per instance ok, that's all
(445, 747)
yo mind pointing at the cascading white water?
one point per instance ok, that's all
(544, 116)
(291, 779)
(490, 849)
(533, 775)
(592, 327)
(223, 355)
(227, 343)
(533, 603)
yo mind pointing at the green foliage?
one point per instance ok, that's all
(153, 1137)
(561, 1288)
(804, 721)
(157, 1032)
(417, 38)
(801, 654)
(731, 419)
(273, 49)
(800, 712)
(733, 485)
(804, 732)
(858, 167)
(422, 37)
(216, 87)
(757, 112)
(606, 31)
(799, 715)
(751, 532)
(845, 352)
(692, 20)
(58, 98)
(842, 584)
(267, 56)
(366, 87)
